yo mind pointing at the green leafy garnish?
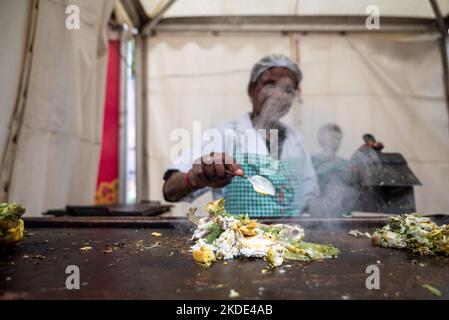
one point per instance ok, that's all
(11, 211)
(433, 290)
(414, 232)
(215, 231)
(311, 251)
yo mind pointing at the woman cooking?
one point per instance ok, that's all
(259, 145)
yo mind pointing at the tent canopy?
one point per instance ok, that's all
(388, 8)
(190, 8)
(283, 15)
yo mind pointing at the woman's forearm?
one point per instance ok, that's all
(176, 188)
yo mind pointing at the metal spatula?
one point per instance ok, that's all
(260, 184)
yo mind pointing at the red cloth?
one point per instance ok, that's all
(107, 182)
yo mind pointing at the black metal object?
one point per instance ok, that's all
(119, 210)
(126, 263)
(385, 180)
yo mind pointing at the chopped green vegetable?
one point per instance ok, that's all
(305, 251)
(11, 211)
(214, 232)
(433, 290)
(414, 232)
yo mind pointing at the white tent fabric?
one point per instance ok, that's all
(14, 20)
(389, 85)
(398, 8)
(56, 159)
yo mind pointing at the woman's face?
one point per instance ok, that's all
(273, 94)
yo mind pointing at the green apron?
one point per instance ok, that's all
(285, 175)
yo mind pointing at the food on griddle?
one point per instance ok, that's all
(436, 292)
(11, 224)
(204, 255)
(233, 294)
(357, 233)
(414, 232)
(221, 235)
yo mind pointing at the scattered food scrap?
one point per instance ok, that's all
(107, 249)
(233, 294)
(156, 234)
(433, 290)
(357, 233)
(86, 248)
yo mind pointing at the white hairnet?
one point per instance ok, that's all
(271, 61)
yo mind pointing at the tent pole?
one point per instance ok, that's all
(123, 115)
(443, 49)
(444, 59)
(135, 12)
(141, 132)
(147, 29)
(9, 155)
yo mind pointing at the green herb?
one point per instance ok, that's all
(11, 211)
(432, 290)
(273, 230)
(311, 251)
(214, 232)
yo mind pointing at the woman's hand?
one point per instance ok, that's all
(214, 170)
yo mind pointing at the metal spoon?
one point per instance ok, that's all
(260, 184)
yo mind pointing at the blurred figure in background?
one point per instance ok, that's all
(332, 173)
(326, 163)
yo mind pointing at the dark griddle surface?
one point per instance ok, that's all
(168, 271)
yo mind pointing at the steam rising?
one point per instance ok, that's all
(277, 103)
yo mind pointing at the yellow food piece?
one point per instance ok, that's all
(204, 256)
(249, 229)
(275, 256)
(233, 294)
(156, 234)
(11, 231)
(247, 232)
(295, 249)
(215, 207)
